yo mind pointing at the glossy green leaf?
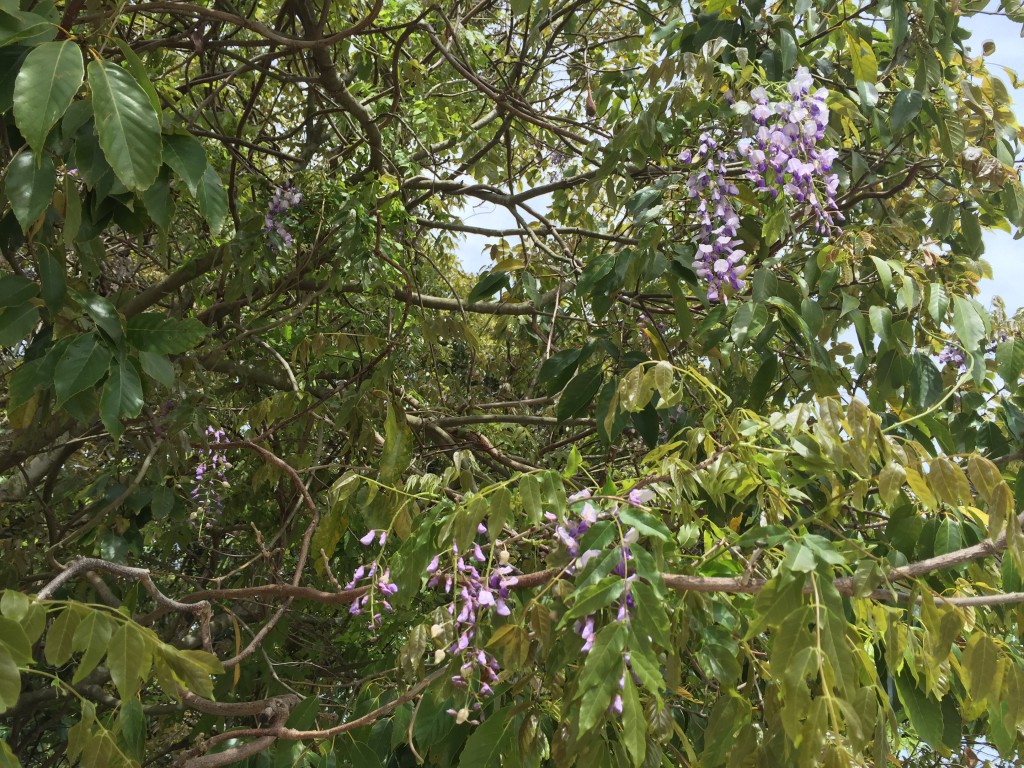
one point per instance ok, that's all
(905, 107)
(491, 741)
(48, 80)
(29, 185)
(212, 199)
(634, 723)
(187, 158)
(127, 125)
(579, 393)
(121, 398)
(83, 363)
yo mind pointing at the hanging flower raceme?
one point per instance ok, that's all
(783, 159)
(376, 578)
(474, 595)
(284, 199)
(784, 156)
(210, 476)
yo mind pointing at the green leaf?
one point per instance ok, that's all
(579, 392)
(968, 322)
(905, 107)
(91, 638)
(14, 604)
(121, 398)
(601, 672)
(127, 125)
(645, 523)
(10, 681)
(212, 200)
(14, 639)
(556, 371)
(104, 314)
(594, 597)
(980, 664)
(16, 323)
(53, 279)
(498, 512)
(863, 61)
(29, 185)
(750, 318)
(18, 25)
(7, 757)
(46, 84)
(488, 285)
(59, 640)
(158, 201)
(634, 723)
(16, 290)
(132, 724)
(492, 740)
(890, 482)
(529, 493)
(82, 365)
(187, 158)
(1010, 361)
(157, 367)
(923, 711)
(128, 659)
(397, 453)
(948, 481)
(154, 332)
(926, 385)
(138, 70)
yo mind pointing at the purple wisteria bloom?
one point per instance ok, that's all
(954, 355)
(210, 475)
(783, 159)
(474, 595)
(284, 199)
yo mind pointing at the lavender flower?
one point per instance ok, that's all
(284, 199)
(474, 595)
(210, 477)
(954, 355)
(783, 159)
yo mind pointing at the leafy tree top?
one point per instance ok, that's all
(717, 464)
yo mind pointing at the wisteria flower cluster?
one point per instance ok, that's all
(718, 260)
(378, 579)
(624, 606)
(782, 158)
(474, 595)
(953, 354)
(284, 199)
(210, 476)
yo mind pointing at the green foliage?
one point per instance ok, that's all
(567, 511)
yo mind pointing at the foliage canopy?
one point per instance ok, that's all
(717, 464)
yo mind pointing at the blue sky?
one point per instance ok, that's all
(1005, 254)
